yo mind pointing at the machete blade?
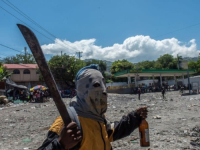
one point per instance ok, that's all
(44, 68)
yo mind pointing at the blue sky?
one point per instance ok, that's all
(135, 30)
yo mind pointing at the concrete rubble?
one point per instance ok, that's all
(174, 123)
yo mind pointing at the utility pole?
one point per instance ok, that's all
(178, 62)
(61, 53)
(137, 73)
(25, 49)
(79, 54)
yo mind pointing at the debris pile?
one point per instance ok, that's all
(173, 125)
(3, 100)
(195, 136)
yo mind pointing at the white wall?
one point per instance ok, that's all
(146, 82)
(170, 82)
(116, 84)
(192, 79)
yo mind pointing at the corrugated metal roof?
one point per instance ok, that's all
(20, 66)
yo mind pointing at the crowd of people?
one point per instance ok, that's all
(139, 91)
(148, 89)
(158, 88)
(163, 89)
(17, 93)
(26, 95)
(38, 95)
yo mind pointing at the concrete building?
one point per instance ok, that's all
(23, 73)
(136, 73)
(153, 73)
(28, 75)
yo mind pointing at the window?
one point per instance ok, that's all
(26, 71)
(16, 71)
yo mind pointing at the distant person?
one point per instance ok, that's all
(17, 94)
(38, 96)
(163, 92)
(34, 97)
(27, 98)
(182, 89)
(31, 96)
(139, 92)
(21, 93)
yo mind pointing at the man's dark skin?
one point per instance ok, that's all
(71, 135)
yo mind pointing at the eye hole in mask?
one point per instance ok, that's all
(96, 84)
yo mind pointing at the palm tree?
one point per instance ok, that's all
(4, 73)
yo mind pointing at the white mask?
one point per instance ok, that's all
(97, 100)
(91, 100)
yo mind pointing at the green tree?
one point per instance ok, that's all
(195, 65)
(192, 65)
(146, 65)
(102, 65)
(121, 65)
(65, 67)
(173, 64)
(4, 73)
(198, 66)
(158, 65)
(165, 60)
(118, 66)
(108, 77)
(20, 58)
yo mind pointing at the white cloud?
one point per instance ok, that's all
(134, 49)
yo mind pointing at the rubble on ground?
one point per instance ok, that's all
(176, 126)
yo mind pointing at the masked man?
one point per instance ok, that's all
(90, 105)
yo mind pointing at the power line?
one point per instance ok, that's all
(27, 17)
(25, 23)
(10, 48)
(24, 15)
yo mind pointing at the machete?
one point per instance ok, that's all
(46, 73)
